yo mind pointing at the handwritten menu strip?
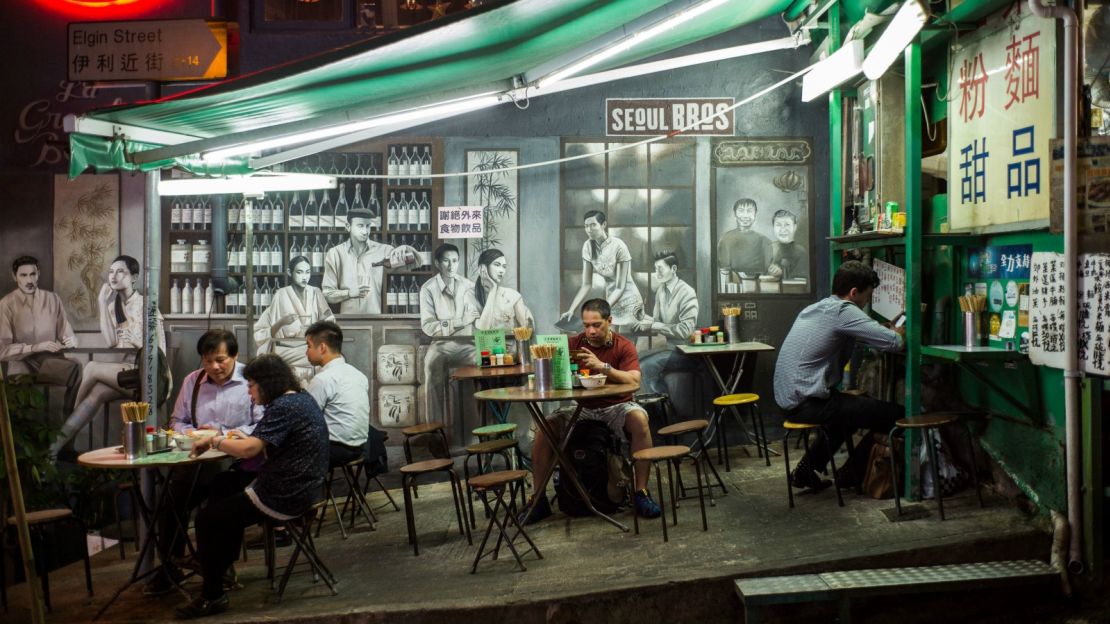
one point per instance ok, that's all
(1046, 314)
(889, 299)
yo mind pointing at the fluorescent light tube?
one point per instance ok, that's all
(427, 113)
(907, 22)
(252, 184)
(628, 42)
(833, 71)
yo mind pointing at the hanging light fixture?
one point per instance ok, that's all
(907, 23)
(833, 71)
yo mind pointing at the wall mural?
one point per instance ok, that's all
(763, 221)
(498, 193)
(86, 239)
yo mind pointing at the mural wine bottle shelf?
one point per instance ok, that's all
(285, 225)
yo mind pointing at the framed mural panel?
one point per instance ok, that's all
(86, 239)
(645, 196)
(762, 217)
(498, 193)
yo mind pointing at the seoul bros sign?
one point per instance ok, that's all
(654, 116)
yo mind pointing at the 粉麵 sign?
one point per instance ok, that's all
(159, 50)
(650, 117)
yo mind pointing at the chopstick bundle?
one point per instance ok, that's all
(133, 411)
(522, 333)
(973, 303)
(544, 351)
(730, 311)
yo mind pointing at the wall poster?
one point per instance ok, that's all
(1046, 317)
(763, 216)
(498, 193)
(86, 239)
(1000, 121)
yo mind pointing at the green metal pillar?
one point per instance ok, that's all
(836, 146)
(914, 220)
(1093, 492)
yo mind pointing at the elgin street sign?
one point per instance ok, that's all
(158, 50)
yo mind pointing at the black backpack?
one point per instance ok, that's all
(595, 456)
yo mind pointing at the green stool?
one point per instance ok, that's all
(494, 431)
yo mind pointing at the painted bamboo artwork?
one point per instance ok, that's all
(497, 192)
(86, 239)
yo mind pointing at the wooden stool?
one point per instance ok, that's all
(502, 514)
(927, 423)
(300, 530)
(349, 471)
(724, 403)
(497, 430)
(36, 521)
(805, 429)
(701, 454)
(416, 431)
(410, 472)
(672, 455)
(486, 451)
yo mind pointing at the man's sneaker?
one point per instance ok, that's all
(646, 507)
(201, 607)
(807, 478)
(164, 581)
(540, 510)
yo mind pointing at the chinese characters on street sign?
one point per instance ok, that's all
(1001, 120)
(158, 50)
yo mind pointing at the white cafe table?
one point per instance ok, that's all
(534, 399)
(112, 458)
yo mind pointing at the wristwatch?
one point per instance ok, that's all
(606, 367)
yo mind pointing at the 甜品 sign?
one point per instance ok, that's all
(654, 116)
(158, 50)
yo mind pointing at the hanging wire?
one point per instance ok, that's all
(619, 147)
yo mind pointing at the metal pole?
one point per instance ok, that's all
(152, 253)
(38, 616)
(836, 147)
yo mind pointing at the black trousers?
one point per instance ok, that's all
(220, 537)
(171, 537)
(843, 414)
(342, 454)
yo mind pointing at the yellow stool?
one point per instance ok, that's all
(726, 403)
(805, 428)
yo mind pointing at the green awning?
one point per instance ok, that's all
(468, 53)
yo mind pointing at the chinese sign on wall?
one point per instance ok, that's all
(1001, 120)
(889, 298)
(1047, 313)
(1093, 192)
(1002, 274)
(460, 222)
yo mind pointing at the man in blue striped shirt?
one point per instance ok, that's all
(812, 360)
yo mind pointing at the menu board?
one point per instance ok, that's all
(1046, 310)
(488, 340)
(889, 298)
(1046, 315)
(1094, 313)
(560, 364)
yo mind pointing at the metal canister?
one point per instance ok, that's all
(732, 328)
(545, 374)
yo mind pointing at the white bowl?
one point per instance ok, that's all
(592, 381)
(184, 442)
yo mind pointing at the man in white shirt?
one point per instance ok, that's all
(674, 317)
(448, 311)
(341, 391)
(34, 330)
(353, 270)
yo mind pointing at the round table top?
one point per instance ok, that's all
(113, 457)
(490, 372)
(523, 394)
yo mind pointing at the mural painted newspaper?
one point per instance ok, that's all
(1000, 117)
(1046, 315)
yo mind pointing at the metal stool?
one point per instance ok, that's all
(927, 423)
(300, 530)
(672, 455)
(126, 487)
(483, 453)
(353, 494)
(724, 404)
(410, 472)
(805, 429)
(36, 520)
(701, 454)
(502, 514)
(416, 431)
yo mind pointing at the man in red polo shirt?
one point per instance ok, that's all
(603, 351)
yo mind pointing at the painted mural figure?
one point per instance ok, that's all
(122, 313)
(789, 260)
(448, 311)
(502, 307)
(744, 250)
(353, 270)
(674, 316)
(608, 257)
(34, 330)
(281, 328)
